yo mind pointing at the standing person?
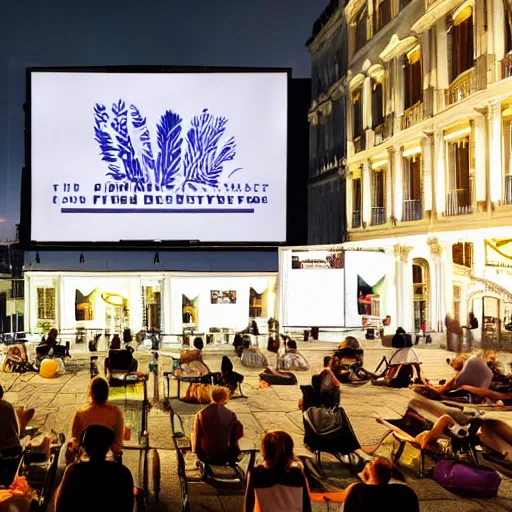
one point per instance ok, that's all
(98, 412)
(280, 483)
(98, 484)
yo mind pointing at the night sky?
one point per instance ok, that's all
(108, 32)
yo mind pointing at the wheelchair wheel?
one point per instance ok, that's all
(155, 474)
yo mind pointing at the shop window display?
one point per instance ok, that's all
(46, 303)
(190, 312)
(151, 304)
(83, 307)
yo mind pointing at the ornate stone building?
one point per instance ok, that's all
(429, 156)
(326, 187)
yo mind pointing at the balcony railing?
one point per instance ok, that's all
(378, 215)
(359, 144)
(506, 66)
(508, 190)
(458, 203)
(356, 219)
(413, 115)
(462, 86)
(384, 131)
(412, 210)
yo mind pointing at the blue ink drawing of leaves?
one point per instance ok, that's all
(169, 141)
(125, 148)
(125, 144)
(203, 162)
(142, 144)
(108, 150)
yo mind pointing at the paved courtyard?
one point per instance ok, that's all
(56, 400)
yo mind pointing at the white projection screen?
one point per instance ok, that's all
(158, 156)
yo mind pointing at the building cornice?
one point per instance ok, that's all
(436, 10)
(328, 31)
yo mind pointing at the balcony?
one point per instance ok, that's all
(378, 215)
(462, 86)
(506, 66)
(412, 116)
(384, 131)
(458, 203)
(508, 190)
(359, 144)
(356, 219)
(412, 210)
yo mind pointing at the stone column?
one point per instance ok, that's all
(397, 183)
(427, 199)
(442, 71)
(367, 103)
(436, 292)
(398, 89)
(404, 292)
(479, 169)
(350, 114)
(496, 30)
(495, 141)
(389, 185)
(165, 306)
(366, 191)
(440, 170)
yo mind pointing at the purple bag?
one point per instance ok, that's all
(461, 478)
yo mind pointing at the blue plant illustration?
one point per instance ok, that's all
(125, 145)
(203, 161)
(169, 143)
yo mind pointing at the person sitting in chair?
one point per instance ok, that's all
(120, 359)
(49, 347)
(97, 484)
(217, 431)
(98, 412)
(292, 359)
(12, 423)
(375, 490)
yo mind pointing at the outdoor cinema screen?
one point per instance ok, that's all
(158, 156)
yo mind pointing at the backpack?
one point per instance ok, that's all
(402, 377)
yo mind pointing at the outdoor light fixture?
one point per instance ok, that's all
(156, 259)
(82, 259)
(38, 259)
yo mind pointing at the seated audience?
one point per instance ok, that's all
(227, 376)
(50, 346)
(98, 484)
(191, 361)
(375, 490)
(324, 390)
(472, 371)
(237, 344)
(98, 412)
(291, 359)
(251, 356)
(120, 359)
(217, 431)
(12, 423)
(280, 483)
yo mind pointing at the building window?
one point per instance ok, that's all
(361, 36)
(383, 14)
(356, 203)
(462, 57)
(462, 254)
(357, 118)
(413, 83)
(377, 104)
(420, 284)
(378, 193)
(412, 189)
(459, 181)
(45, 303)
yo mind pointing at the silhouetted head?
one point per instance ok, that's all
(99, 390)
(198, 343)
(96, 441)
(115, 344)
(277, 450)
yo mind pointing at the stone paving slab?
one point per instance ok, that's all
(276, 407)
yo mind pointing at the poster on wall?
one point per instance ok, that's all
(223, 296)
(158, 156)
(318, 259)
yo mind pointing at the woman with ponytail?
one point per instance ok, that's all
(280, 483)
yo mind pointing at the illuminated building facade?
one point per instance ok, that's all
(429, 156)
